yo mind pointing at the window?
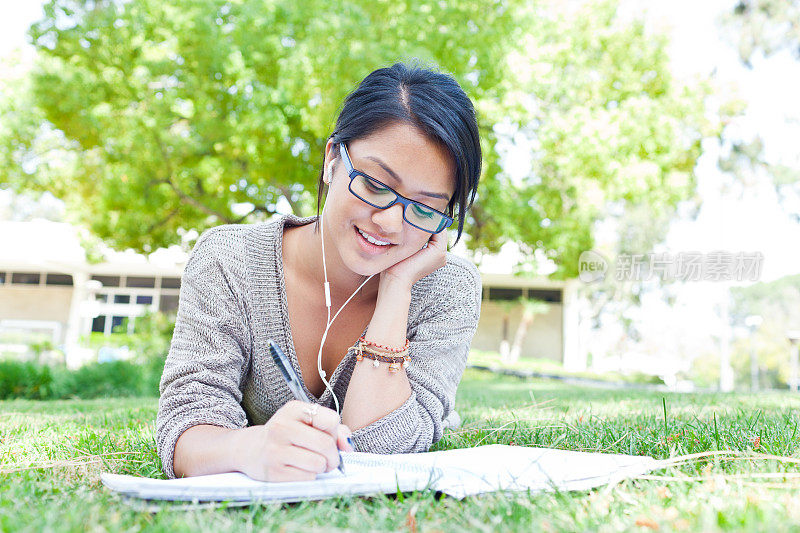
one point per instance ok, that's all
(107, 281)
(99, 324)
(119, 324)
(170, 283)
(547, 295)
(58, 279)
(144, 299)
(102, 297)
(504, 293)
(167, 303)
(2, 277)
(134, 281)
(122, 298)
(25, 278)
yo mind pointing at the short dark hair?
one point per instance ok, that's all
(427, 99)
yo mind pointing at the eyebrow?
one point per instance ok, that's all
(391, 172)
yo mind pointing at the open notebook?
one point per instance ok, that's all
(459, 473)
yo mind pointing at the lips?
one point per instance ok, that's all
(368, 247)
(375, 236)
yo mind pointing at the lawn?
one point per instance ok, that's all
(51, 454)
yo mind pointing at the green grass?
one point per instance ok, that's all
(52, 452)
(549, 368)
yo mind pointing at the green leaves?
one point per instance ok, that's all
(189, 115)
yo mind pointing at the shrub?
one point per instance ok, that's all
(24, 380)
(95, 380)
(100, 380)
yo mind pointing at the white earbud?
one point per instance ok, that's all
(329, 174)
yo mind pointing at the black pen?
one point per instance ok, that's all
(293, 381)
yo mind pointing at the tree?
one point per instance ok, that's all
(530, 308)
(150, 117)
(612, 133)
(778, 303)
(766, 27)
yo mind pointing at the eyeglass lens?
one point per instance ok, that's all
(376, 194)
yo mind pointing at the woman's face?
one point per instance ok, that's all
(408, 162)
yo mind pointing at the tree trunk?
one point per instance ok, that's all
(519, 336)
(504, 345)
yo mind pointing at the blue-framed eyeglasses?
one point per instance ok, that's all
(377, 194)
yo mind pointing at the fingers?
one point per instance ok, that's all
(307, 461)
(289, 473)
(439, 240)
(316, 441)
(322, 433)
(324, 419)
(304, 445)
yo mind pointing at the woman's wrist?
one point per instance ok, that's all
(394, 285)
(389, 321)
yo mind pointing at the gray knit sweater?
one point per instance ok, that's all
(219, 370)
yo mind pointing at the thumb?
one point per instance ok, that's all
(343, 440)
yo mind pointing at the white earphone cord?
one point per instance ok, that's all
(328, 305)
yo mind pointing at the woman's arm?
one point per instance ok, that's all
(201, 426)
(286, 448)
(205, 449)
(394, 412)
(375, 392)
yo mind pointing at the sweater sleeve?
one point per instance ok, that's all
(439, 341)
(209, 353)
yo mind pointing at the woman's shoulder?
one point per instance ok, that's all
(238, 238)
(221, 245)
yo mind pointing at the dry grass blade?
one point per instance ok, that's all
(751, 475)
(683, 459)
(730, 455)
(51, 464)
(86, 460)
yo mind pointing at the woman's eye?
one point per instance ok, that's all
(375, 187)
(422, 212)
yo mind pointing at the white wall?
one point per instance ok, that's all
(543, 339)
(35, 302)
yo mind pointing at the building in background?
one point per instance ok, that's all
(47, 287)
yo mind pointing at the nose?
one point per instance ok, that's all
(390, 220)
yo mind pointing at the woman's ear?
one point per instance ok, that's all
(328, 175)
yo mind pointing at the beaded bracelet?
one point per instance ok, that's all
(377, 357)
(388, 349)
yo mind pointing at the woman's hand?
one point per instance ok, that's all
(419, 264)
(293, 445)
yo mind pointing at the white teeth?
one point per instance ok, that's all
(372, 239)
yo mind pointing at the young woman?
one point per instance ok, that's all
(403, 162)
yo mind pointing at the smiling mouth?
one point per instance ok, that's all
(372, 241)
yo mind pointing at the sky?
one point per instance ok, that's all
(17, 17)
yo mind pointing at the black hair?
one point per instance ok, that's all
(427, 99)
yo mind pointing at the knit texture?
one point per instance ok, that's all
(233, 299)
